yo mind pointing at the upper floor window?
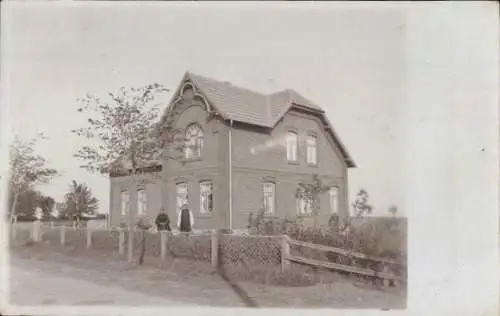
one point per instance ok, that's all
(181, 197)
(193, 141)
(333, 192)
(291, 146)
(206, 197)
(268, 191)
(125, 205)
(141, 202)
(312, 149)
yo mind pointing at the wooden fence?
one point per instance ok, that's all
(385, 274)
(285, 258)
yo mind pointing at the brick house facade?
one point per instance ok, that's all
(252, 150)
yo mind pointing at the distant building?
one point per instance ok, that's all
(248, 150)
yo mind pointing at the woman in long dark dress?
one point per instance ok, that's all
(185, 221)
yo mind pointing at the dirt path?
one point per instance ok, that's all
(121, 284)
(33, 286)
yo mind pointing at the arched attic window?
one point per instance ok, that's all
(193, 141)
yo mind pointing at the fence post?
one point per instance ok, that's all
(13, 231)
(121, 242)
(33, 231)
(285, 252)
(89, 237)
(63, 235)
(163, 245)
(36, 232)
(385, 281)
(215, 248)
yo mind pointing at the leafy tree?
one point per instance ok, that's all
(28, 201)
(125, 136)
(25, 204)
(80, 201)
(27, 169)
(46, 203)
(393, 209)
(361, 206)
(310, 191)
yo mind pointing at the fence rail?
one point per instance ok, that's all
(343, 252)
(230, 249)
(385, 274)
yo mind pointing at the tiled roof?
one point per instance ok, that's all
(265, 110)
(248, 106)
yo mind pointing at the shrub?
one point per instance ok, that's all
(379, 238)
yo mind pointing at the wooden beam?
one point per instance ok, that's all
(345, 268)
(343, 252)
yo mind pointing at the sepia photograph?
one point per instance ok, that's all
(195, 155)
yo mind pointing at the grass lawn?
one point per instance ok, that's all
(191, 282)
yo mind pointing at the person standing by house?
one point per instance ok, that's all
(185, 220)
(162, 221)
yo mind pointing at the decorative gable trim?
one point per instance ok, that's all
(178, 97)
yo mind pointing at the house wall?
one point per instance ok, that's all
(252, 167)
(252, 163)
(161, 188)
(151, 183)
(193, 171)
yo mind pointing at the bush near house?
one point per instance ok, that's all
(375, 237)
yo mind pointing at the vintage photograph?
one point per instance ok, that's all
(206, 155)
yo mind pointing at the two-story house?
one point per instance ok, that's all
(247, 150)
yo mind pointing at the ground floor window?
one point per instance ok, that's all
(141, 202)
(304, 205)
(125, 199)
(334, 200)
(269, 197)
(206, 197)
(181, 195)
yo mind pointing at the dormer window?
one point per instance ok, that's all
(194, 141)
(291, 146)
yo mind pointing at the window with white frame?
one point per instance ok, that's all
(141, 202)
(304, 205)
(193, 141)
(125, 205)
(334, 200)
(206, 197)
(268, 191)
(292, 140)
(181, 195)
(312, 149)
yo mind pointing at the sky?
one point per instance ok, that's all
(349, 61)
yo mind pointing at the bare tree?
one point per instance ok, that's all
(126, 136)
(27, 169)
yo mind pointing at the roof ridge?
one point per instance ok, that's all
(226, 82)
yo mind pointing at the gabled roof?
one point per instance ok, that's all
(243, 105)
(251, 107)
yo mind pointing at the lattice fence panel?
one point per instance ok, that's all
(250, 250)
